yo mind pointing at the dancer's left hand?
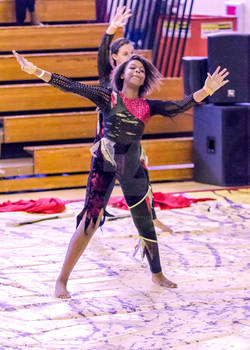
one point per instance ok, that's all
(215, 81)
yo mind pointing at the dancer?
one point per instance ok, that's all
(125, 113)
(119, 51)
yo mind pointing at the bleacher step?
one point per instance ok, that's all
(81, 64)
(41, 96)
(16, 167)
(70, 158)
(52, 10)
(55, 37)
(79, 125)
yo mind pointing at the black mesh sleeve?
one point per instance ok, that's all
(170, 108)
(97, 94)
(104, 66)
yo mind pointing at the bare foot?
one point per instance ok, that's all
(161, 280)
(161, 226)
(61, 290)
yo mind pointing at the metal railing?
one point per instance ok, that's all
(159, 25)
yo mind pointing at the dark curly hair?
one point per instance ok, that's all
(152, 75)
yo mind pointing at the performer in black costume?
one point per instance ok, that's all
(118, 52)
(125, 113)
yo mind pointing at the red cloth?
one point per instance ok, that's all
(42, 205)
(162, 200)
(55, 205)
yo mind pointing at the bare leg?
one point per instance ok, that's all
(161, 280)
(77, 245)
(162, 226)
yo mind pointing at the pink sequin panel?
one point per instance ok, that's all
(138, 107)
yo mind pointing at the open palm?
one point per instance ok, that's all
(121, 16)
(216, 80)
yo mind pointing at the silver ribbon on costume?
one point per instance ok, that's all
(108, 151)
(94, 148)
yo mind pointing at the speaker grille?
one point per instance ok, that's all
(221, 144)
(232, 51)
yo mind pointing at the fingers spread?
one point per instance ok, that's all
(120, 10)
(224, 82)
(216, 71)
(222, 71)
(225, 75)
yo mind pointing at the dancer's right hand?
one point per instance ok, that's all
(121, 17)
(25, 65)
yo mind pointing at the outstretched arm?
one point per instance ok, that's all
(172, 108)
(30, 68)
(119, 20)
(97, 94)
(104, 64)
(213, 83)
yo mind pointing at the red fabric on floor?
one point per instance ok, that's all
(42, 205)
(55, 205)
(161, 200)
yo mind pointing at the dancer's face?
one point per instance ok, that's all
(134, 73)
(123, 54)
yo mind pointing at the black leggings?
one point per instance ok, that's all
(21, 7)
(136, 189)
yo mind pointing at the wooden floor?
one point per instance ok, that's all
(114, 303)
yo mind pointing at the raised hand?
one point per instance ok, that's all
(26, 66)
(121, 17)
(216, 80)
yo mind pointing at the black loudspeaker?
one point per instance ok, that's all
(222, 144)
(194, 73)
(231, 51)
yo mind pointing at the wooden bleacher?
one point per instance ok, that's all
(72, 64)
(49, 11)
(56, 37)
(32, 111)
(76, 157)
(75, 125)
(41, 96)
(48, 127)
